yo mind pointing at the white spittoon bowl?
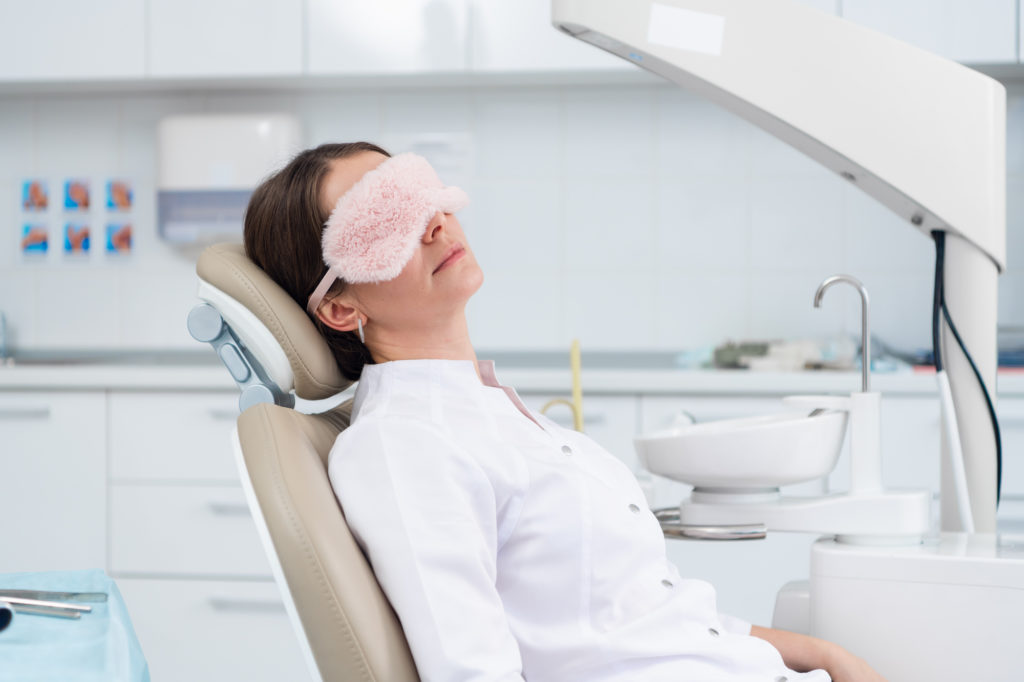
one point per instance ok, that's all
(752, 453)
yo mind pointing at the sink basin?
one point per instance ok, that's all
(752, 453)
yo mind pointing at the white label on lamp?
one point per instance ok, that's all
(685, 29)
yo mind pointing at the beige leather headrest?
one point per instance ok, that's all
(226, 267)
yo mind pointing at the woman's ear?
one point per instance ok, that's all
(337, 313)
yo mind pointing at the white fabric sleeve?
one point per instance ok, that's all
(426, 515)
(734, 625)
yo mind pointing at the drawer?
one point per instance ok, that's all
(211, 631)
(172, 436)
(169, 530)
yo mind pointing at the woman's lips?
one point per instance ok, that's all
(454, 254)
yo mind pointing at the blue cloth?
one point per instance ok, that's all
(100, 645)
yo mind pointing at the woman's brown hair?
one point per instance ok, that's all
(283, 226)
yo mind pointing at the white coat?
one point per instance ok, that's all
(512, 548)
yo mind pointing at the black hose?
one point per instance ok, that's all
(939, 306)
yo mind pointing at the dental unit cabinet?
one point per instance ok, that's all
(925, 137)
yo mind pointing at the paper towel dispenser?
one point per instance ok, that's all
(209, 165)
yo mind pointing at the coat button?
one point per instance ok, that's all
(666, 583)
(635, 509)
(566, 449)
(713, 632)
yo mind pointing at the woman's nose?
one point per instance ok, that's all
(434, 227)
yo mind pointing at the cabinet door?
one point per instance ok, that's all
(387, 36)
(224, 38)
(519, 36)
(969, 31)
(53, 476)
(211, 631)
(71, 39)
(148, 443)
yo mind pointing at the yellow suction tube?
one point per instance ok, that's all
(577, 389)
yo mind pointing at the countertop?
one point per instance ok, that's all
(192, 372)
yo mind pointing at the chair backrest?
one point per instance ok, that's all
(344, 620)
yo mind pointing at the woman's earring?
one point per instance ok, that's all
(359, 321)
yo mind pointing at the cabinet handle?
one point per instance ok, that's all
(229, 508)
(237, 605)
(223, 415)
(25, 413)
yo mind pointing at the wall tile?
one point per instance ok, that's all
(518, 135)
(611, 309)
(693, 311)
(702, 223)
(1011, 299)
(796, 224)
(876, 238)
(782, 307)
(901, 307)
(340, 118)
(77, 307)
(153, 309)
(622, 215)
(520, 309)
(18, 303)
(427, 111)
(609, 223)
(515, 225)
(1015, 223)
(284, 102)
(772, 158)
(17, 133)
(11, 220)
(76, 135)
(138, 121)
(1015, 133)
(609, 132)
(698, 137)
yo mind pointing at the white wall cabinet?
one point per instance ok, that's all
(224, 38)
(518, 36)
(46, 40)
(53, 476)
(387, 36)
(968, 31)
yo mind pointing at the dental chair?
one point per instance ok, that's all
(344, 624)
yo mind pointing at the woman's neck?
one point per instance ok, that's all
(449, 342)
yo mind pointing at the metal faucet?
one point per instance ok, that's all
(865, 331)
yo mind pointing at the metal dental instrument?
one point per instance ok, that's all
(46, 608)
(54, 596)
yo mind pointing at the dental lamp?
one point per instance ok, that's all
(927, 138)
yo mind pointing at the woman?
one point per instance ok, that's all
(509, 547)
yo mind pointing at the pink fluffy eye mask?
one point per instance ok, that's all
(377, 224)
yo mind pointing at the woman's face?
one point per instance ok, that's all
(433, 286)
